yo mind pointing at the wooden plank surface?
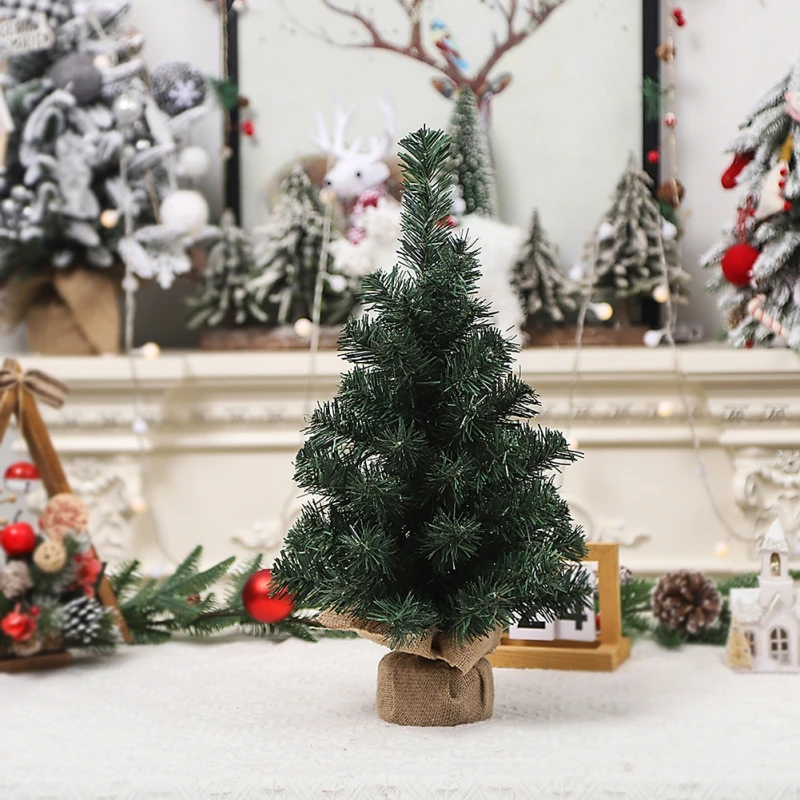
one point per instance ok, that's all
(35, 663)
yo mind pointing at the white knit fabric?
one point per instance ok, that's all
(250, 719)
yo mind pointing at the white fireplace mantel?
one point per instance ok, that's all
(215, 466)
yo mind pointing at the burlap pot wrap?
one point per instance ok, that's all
(70, 312)
(434, 682)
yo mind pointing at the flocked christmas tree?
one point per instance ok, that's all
(547, 294)
(738, 653)
(79, 107)
(225, 297)
(436, 508)
(470, 156)
(289, 258)
(634, 244)
(758, 257)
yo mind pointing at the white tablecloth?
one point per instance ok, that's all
(250, 719)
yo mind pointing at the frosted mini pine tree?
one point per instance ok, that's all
(547, 294)
(470, 156)
(759, 253)
(629, 247)
(289, 255)
(225, 297)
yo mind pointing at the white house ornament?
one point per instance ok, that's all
(767, 616)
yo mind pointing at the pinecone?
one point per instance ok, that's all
(82, 620)
(736, 317)
(686, 602)
(15, 579)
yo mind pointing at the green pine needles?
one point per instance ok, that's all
(435, 504)
(184, 603)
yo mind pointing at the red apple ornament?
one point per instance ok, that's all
(261, 601)
(18, 539)
(737, 263)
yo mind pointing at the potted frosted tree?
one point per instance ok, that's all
(629, 253)
(754, 267)
(87, 154)
(548, 296)
(226, 305)
(289, 257)
(436, 518)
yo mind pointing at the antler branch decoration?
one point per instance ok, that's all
(535, 14)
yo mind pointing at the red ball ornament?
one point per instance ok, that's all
(261, 603)
(19, 477)
(737, 263)
(653, 157)
(248, 128)
(18, 539)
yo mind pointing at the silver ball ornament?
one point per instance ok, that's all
(127, 109)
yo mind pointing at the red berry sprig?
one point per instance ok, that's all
(679, 17)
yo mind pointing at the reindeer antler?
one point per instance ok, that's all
(335, 145)
(536, 12)
(380, 148)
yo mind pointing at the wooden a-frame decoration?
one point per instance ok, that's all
(19, 402)
(609, 649)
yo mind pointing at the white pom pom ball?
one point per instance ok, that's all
(194, 162)
(653, 338)
(303, 327)
(186, 210)
(669, 231)
(605, 231)
(338, 283)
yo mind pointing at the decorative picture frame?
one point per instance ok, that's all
(235, 57)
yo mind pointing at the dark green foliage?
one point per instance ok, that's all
(226, 92)
(653, 94)
(183, 603)
(435, 501)
(635, 604)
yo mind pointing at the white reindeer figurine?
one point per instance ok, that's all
(354, 171)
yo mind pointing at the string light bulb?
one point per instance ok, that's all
(150, 351)
(665, 409)
(603, 311)
(303, 327)
(138, 505)
(722, 550)
(327, 197)
(110, 218)
(140, 426)
(661, 294)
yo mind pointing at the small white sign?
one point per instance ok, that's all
(532, 630)
(25, 36)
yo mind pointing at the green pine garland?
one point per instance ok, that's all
(184, 603)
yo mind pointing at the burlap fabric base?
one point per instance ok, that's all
(434, 682)
(69, 312)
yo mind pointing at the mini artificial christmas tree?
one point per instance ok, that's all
(547, 294)
(633, 245)
(225, 297)
(738, 654)
(290, 256)
(470, 156)
(437, 519)
(90, 156)
(758, 258)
